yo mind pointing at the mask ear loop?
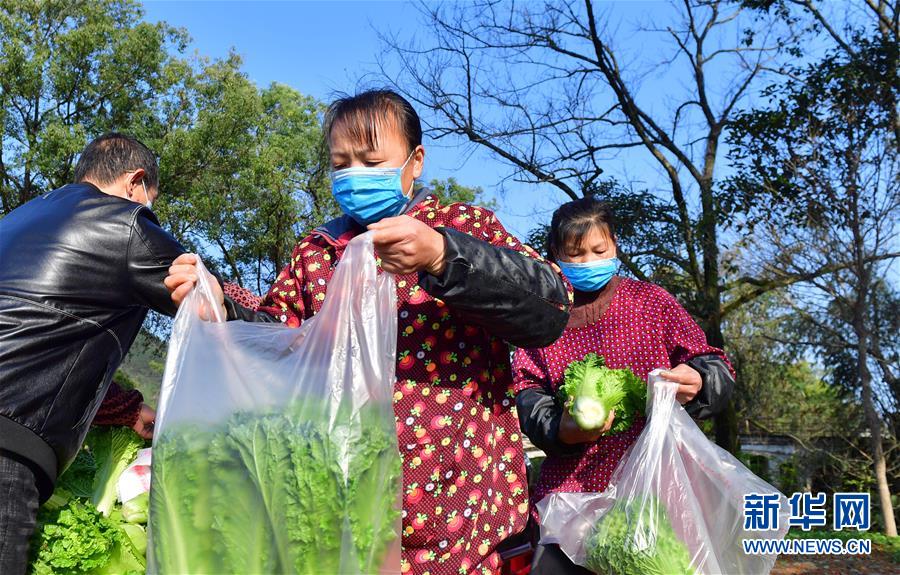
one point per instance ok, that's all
(403, 167)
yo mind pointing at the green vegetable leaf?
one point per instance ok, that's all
(78, 479)
(618, 543)
(113, 448)
(135, 510)
(276, 492)
(591, 390)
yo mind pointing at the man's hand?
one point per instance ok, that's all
(571, 433)
(183, 276)
(145, 422)
(406, 245)
(688, 379)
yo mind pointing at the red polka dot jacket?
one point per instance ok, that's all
(464, 481)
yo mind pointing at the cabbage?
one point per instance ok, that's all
(636, 538)
(113, 448)
(591, 390)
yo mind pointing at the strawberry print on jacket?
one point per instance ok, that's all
(464, 480)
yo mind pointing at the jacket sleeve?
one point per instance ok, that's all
(284, 301)
(718, 384)
(686, 343)
(151, 250)
(497, 283)
(539, 413)
(119, 407)
(241, 304)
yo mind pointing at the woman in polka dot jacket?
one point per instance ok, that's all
(631, 324)
(464, 483)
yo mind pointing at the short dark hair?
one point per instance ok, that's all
(361, 115)
(574, 219)
(106, 158)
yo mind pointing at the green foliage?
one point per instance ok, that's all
(613, 547)
(70, 71)
(144, 365)
(244, 174)
(758, 464)
(113, 449)
(450, 191)
(242, 169)
(273, 492)
(591, 390)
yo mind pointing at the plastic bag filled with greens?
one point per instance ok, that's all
(276, 448)
(674, 505)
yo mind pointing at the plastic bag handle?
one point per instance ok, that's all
(203, 290)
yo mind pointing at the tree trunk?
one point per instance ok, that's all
(875, 424)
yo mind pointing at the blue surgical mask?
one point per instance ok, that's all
(590, 276)
(369, 194)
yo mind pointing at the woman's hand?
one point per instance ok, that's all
(145, 422)
(571, 433)
(406, 245)
(183, 276)
(688, 379)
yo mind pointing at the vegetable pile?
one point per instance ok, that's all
(591, 390)
(622, 542)
(276, 492)
(81, 529)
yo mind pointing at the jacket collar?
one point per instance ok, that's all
(339, 231)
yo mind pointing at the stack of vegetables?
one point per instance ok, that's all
(292, 490)
(82, 529)
(635, 537)
(591, 390)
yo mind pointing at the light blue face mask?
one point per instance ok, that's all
(590, 276)
(369, 194)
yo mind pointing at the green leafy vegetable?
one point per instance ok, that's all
(135, 510)
(72, 535)
(113, 448)
(78, 479)
(623, 542)
(275, 492)
(138, 537)
(591, 390)
(77, 539)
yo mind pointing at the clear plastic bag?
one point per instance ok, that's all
(276, 449)
(675, 504)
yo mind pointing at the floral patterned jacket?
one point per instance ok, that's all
(464, 482)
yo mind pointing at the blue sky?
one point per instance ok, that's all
(322, 48)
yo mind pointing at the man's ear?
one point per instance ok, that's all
(133, 180)
(136, 176)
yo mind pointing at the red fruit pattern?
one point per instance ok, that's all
(453, 403)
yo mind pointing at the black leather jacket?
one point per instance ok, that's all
(78, 271)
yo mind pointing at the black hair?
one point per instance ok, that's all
(362, 114)
(574, 219)
(106, 158)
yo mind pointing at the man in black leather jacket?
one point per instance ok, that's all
(79, 269)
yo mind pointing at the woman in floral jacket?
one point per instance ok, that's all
(465, 288)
